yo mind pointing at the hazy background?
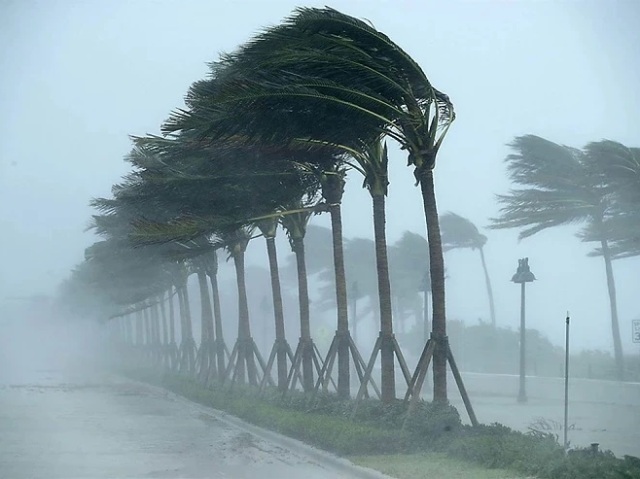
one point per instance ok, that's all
(77, 77)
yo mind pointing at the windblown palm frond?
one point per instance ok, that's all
(560, 187)
(459, 232)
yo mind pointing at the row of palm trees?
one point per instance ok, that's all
(266, 139)
(597, 187)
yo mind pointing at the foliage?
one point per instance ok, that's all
(430, 465)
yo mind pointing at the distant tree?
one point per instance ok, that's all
(621, 166)
(561, 186)
(409, 266)
(458, 233)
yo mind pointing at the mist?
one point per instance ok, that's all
(81, 78)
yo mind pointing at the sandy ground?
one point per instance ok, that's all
(66, 426)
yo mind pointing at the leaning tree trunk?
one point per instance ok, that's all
(245, 353)
(206, 336)
(436, 267)
(187, 344)
(387, 379)
(305, 324)
(172, 330)
(487, 281)
(615, 326)
(182, 350)
(165, 329)
(278, 312)
(217, 315)
(332, 190)
(189, 323)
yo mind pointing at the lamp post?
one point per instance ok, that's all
(523, 276)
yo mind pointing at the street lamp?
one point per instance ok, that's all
(523, 276)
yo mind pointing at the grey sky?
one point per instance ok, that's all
(78, 76)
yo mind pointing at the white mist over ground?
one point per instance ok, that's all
(63, 416)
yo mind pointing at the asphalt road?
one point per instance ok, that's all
(90, 425)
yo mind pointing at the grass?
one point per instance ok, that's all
(430, 466)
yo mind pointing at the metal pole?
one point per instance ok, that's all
(566, 384)
(522, 395)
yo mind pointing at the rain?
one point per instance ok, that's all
(248, 239)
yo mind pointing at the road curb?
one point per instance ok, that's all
(339, 464)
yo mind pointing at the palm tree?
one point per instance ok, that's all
(372, 162)
(458, 233)
(330, 78)
(621, 166)
(560, 186)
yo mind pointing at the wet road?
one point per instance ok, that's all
(604, 412)
(69, 426)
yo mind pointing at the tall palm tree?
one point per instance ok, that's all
(458, 233)
(621, 166)
(328, 77)
(372, 160)
(561, 186)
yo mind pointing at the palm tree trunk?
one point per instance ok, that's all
(189, 320)
(615, 326)
(172, 331)
(487, 281)
(172, 318)
(278, 312)
(341, 301)
(139, 330)
(206, 336)
(155, 331)
(183, 358)
(387, 379)
(217, 317)
(245, 354)
(165, 325)
(438, 324)
(305, 323)
(187, 338)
